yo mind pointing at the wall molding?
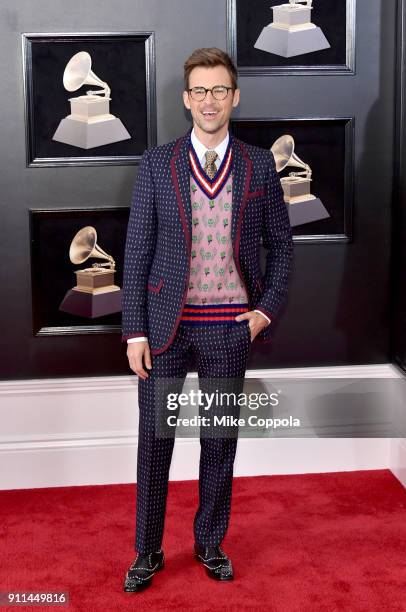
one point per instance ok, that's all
(398, 459)
(67, 432)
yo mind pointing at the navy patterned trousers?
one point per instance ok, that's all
(220, 352)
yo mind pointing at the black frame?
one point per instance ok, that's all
(397, 286)
(348, 68)
(36, 258)
(348, 190)
(27, 40)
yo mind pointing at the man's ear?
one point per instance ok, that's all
(186, 99)
(236, 98)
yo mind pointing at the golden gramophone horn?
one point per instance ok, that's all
(95, 293)
(283, 151)
(84, 245)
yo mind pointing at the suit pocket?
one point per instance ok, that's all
(257, 193)
(259, 284)
(155, 284)
(248, 331)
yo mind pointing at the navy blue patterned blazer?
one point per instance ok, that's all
(158, 244)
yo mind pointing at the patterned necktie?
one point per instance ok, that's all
(210, 167)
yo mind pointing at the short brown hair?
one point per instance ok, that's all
(210, 57)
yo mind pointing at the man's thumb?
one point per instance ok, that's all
(147, 358)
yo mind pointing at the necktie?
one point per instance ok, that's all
(210, 167)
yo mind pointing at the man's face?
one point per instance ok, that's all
(210, 115)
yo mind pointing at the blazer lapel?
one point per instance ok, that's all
(242, 171)
(181, 181)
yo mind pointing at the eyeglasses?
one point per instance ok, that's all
(219, 92)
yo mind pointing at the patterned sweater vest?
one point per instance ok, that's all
(216, 294)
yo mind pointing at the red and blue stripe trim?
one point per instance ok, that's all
(211, 314)
(211, 187)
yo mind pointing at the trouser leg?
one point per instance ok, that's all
(222, 355)
(154, 452)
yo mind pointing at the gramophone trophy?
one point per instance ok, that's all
(95, 293)
(303, 206)
(292, 32)
(90, 123)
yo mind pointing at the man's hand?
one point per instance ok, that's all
(256, 322)
(136, 352)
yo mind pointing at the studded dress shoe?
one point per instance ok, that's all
(141, 571)
(216, 562)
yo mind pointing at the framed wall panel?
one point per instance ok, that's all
(259, 49)
(68, 126)
(53, 273)
(326, 145)
(398, 286)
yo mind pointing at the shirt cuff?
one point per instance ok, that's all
(136, 339)
(264, 315)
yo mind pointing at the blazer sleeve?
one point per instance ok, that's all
(278, 242)
(139, 252)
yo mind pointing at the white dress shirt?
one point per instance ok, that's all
(201, 149)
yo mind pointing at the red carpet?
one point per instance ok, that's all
(324, 542)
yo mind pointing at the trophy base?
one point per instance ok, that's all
(88, 135)
(97, 290)
(91, 305)
(95, 280)
(296, 190)
(90, 106)
(306, 211)
(285, 43)
(289, 15)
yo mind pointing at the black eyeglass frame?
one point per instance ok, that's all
(211, 91)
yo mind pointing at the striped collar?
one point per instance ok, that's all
(211, 187)
(200, 148)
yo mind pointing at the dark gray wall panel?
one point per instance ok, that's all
(398, 285)
(338, 308)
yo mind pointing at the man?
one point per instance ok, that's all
(193, 287)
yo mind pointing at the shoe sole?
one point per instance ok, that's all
(209, 573)
(147, 583)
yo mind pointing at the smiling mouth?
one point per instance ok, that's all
(209, 114)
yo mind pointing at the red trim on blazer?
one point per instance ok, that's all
(257, 193)
(155, 288)
(241, 212)
(270, 315)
